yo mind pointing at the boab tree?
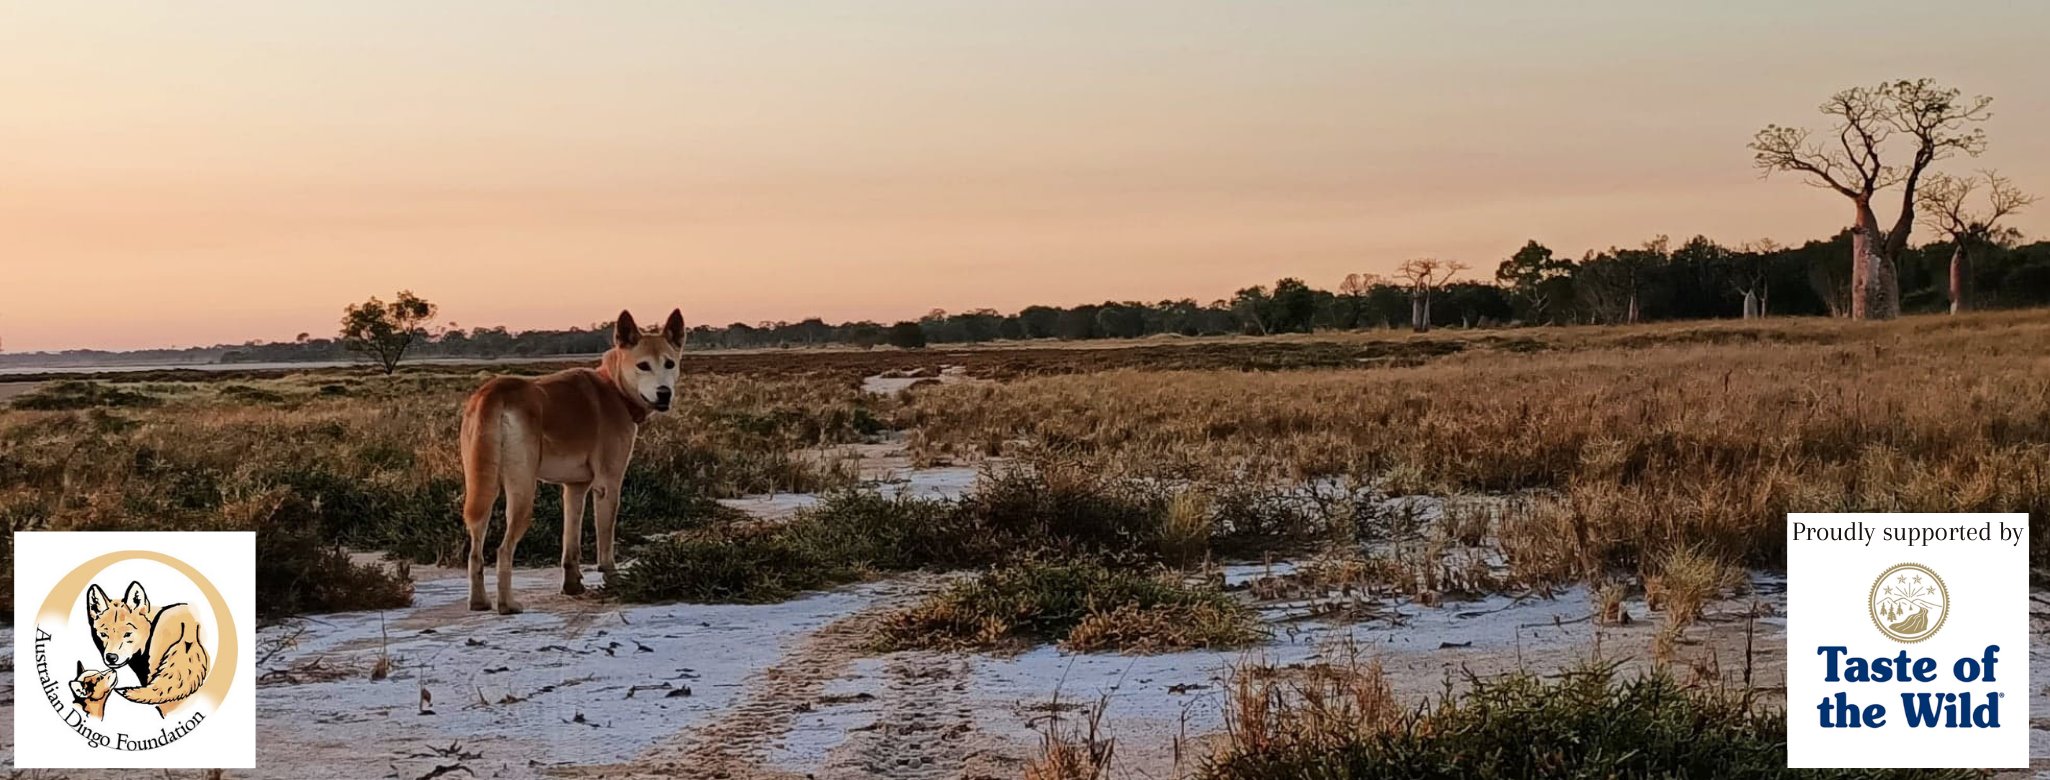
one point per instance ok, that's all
(1946, 208)
(1749, 269)
(384, 331)
(1425, 275)
(1935, 122)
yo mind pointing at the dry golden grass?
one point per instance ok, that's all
(1312, 708)
(1617, 444)
(1599, 452)
(1073, 751)
(313, 461)
(1609, 609)
(1687, 578)
(1186, 527)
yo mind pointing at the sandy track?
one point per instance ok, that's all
(926, 728)
(738, 744)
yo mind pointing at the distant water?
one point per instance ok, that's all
(278, 366)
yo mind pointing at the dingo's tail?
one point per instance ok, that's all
(480, 435)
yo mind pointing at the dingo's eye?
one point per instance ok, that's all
(645, 367)
(668, 364)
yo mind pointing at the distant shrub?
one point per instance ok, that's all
(905, 335)
(251, 394)
(81, 394)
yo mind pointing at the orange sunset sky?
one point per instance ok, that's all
(198, 173)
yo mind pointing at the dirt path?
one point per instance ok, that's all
(925, 729)
(739, 743)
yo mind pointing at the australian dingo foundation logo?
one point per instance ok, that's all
(133, 653)
(1908, 602)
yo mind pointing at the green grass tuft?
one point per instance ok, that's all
(1587, 724)
(1086, 606)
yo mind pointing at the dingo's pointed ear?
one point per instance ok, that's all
(673, 329)
(625, 333)
(135, 598)
(96, 601)
(81, 668)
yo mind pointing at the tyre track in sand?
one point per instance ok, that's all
(735, 743)
(924, 731)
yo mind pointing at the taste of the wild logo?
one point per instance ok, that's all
(1909, 602)
(134, 665)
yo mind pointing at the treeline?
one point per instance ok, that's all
(1657, 280)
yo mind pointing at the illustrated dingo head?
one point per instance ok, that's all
(121, 629)
(647, 366)
(89, 690)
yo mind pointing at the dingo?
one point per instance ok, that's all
(89, 690)
(161, 646)
(573, 428)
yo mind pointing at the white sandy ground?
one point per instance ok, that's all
(884, 465)
(582, 687)
(891, 383)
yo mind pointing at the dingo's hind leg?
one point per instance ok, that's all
(573, 537)
(519, 513)
(477, 523)
(481, 479)
(521, 469)
(604, 515)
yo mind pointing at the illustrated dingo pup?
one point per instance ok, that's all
(573, 428)
(162, 646)
(89, 690)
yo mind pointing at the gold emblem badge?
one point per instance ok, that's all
(1909, 602)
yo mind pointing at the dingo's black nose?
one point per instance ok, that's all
(113, 659)
(662, 398)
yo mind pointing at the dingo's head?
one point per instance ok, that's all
(120, 628)
(90, 688)
(646, 367)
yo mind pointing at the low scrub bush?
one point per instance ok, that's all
(1586, 724)
(1632, 441)
(1085, 606)
(1066, 511)
(298, 572)
(725, 565)
(73, 394)
(849, 536)
(371, 463)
